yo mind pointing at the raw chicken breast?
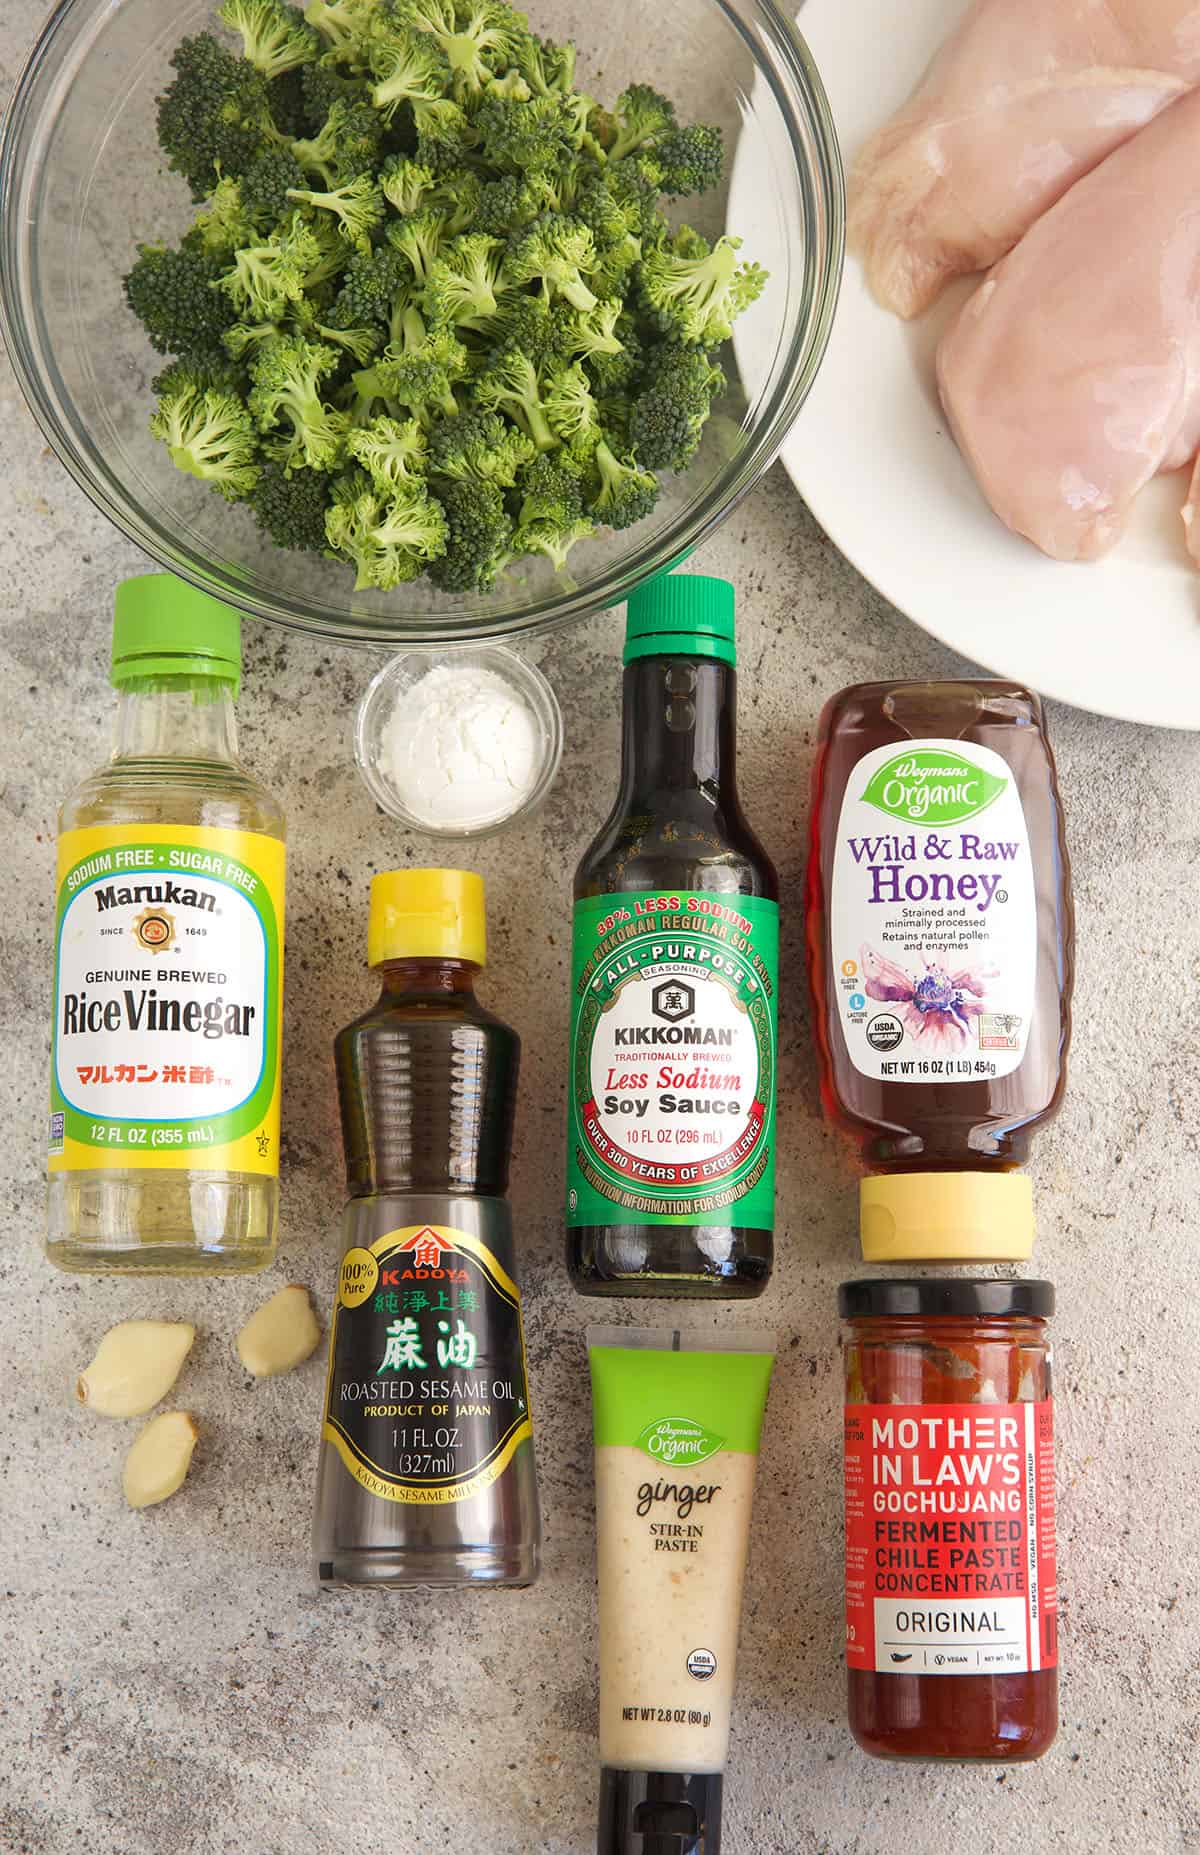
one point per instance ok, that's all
(1023, 98)
(1072, 374)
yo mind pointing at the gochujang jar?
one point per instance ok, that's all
(951, 1604)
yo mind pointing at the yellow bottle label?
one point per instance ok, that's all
(168, 996)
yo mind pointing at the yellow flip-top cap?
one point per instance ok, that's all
(427, 915)
(946, 1217)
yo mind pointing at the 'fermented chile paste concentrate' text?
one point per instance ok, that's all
(950, 1538)
(673, 1060)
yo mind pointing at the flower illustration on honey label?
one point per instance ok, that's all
(938, 1005)
(154, 929)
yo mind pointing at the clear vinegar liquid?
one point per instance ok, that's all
(174, 1221)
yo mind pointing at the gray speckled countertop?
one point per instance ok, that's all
(170, 1684)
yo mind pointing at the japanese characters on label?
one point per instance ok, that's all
(427, 1396)
(168, 980)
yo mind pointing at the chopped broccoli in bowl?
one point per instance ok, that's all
(431, 316)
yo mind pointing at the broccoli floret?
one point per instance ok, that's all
(636, 184)
(552, 517)
(511, 383)
(406, 183)
(408, 67)
(696, 297)
(507, 204)
(479, 38)
(420, 238)
(541, 330)
(265, 186)
(209, 434)
(244, 339)
(522, 137)
(593, 332)
(346, 145)
(202, 371)
(419, 373)
(547, 68)
(171, 294)
(478, 537)
(462, 282)
(225, 222)
(626, 492)
(274, 36)
(288, 374)
(357, 206)
(669, 411)
(267, 278)
(572, 411)
(642, 115)
(690, 160)
(362, 344)
(345, 25)
(391, 451)
(445, 134)
(291, 508)
(214, 116)
(557, 253)
(321, 86)
(389, 539)
(375, 289)
(479, 447)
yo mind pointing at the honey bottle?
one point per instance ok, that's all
(940, 945)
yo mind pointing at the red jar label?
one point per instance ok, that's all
(950, 1538)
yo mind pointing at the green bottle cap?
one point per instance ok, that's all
(164, 627)
(681, 615)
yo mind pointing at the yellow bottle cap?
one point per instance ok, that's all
(427, 915)
(946, 1217)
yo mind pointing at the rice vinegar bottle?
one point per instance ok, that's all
(168, 973)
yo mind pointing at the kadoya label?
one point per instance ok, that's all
(933, 915)
(167, 999)
(950, 1554)
(673, 1058)
(426, 1400)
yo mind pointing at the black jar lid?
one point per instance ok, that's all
(951, 1296)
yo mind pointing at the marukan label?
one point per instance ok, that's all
(950, 1565)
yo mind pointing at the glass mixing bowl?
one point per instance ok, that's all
(82, 182)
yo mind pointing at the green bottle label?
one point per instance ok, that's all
(673, 1056)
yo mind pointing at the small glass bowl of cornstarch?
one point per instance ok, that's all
(457, 743)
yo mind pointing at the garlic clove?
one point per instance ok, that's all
(136, 1364)
(159, 1458)
(280, 1335)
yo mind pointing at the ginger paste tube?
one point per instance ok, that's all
(677, 1418)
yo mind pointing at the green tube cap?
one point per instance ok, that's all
(681, 615)
(164, 627)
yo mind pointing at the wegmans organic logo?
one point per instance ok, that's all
(930, 786)
(678, 1439)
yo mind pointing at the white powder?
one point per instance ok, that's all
(460, 748)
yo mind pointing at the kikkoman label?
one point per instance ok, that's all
(673, 1060)
(933, 915)
(168, 986)
(426, 1400)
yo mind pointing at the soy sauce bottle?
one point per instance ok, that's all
(671, 1156)
(427, 1472)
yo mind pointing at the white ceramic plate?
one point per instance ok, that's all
(873, 459)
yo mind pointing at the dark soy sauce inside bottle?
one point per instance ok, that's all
(674, 982)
